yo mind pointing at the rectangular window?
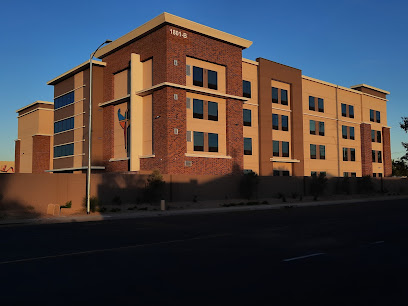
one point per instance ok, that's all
(379, 157)
(379, 136)
(198, 76)
(312, 103)
(353, 154)
(320, 105)
(351, 111)
(379, 174)
(378, 116)
(344, 110)
(199, 141)
(323, 173)
(285, 125)
(372, 136)
(246, 88)
(284, 97)
(313, 173)
(374, 174)
(312, 127)
(247, 146)
(353, 174)
(345, 154)
(313, 151)
(64, 150)
(198, 110)
(275, 122)
(371, 115)
(322, 152)
(345, 174)
(285, 149)
(275, 95)
(276, 173)
(64, 125)
(285, 173)
(213, 111)
(275, 148)
(373, 156)
(344, 131)
(212, 79)
(321, 128)
(212, 142)
(64, 100)
(247, 117)
(352, 132)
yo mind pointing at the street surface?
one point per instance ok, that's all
(352, 254)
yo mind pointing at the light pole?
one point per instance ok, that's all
(88, 173)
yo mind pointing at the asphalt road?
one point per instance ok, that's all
(352, 254)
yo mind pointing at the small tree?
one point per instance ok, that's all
(399, 167)
(249, 184)
(404, 126)
(155, 186)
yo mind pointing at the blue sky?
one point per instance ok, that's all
(342, 42)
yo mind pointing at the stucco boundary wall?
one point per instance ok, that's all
(36, 191)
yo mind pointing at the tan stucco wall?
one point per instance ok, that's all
(221, 73)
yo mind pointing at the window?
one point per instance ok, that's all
(198, 141)
(379, 157)
(344, 131)
(275, 122)
(323, 173)
(213, 111)
(345, 174)
(312, 103)
(313, 151)
(345, 154)
(276, 173)
(275, 95)
(320, 105)
(212, 79)
(198, 110)
(379, 174)
(198, 76)
(351, 132)
(212, 142)
(285, 126)
(379, 136)
(371, 115)
(344, 110)
(247, 117)
(353, 154)
(373, 154)
(285, 149)
(247, 146)
(351, 111)
(378, 116)
(64, 150)
(312, 127)
(322, 152)
(372, 136)
(284, 97)
(374, 174)
(246, 87)
(321, 128)
(353, 174)
(64, 125)
(275, 148)
(313, 173)
(285, 173)
(64, 100)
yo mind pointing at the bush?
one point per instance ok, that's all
(248, 184)
(94, 204)
(319, 184)
(155, 186)
(67, 205)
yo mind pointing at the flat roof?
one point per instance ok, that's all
(371, 87)
(177, 21)
(74, 70)
(34, 103)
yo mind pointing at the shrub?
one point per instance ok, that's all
(68, 205)
(155, 186)
(248, 184)
(319, 184)
(94, 204)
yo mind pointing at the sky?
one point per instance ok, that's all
(341, 42)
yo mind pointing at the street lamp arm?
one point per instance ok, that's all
(108, 41)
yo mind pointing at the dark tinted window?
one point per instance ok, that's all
(321, 128)
(212, 142)
(213, 111)
(320, 105)
(274, 95)
(212, 79)
(198, 141)
(64, 100)
(344, 131)
(371, 115)
(379, 157)
(285, 149)
(275, 121)
(353, 154)
(373, 156)
(351, 111)
(284, 97)
(246, 87)
(285, 125)
(285, 173)
(313, 151)
(198, 76)
(377, 116)
(322, 152)
(312, 103)
(312, 127)
(64, 125)
(275, 148)
(64, 150)
(351, 132)
(378, 136)
(343, 110)
(247, 146)
(345, 154)
(276, 173)
(353, 174)
(198, 110)
(372, 136)
(247, 117)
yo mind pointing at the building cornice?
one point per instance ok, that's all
(71, 72)
(34, 103)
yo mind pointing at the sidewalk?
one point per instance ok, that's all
(193, 211)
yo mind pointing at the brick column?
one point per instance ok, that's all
(41, 153)
(387, 151)
(366, 148)
(17, 156)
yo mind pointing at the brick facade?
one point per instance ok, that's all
(170, 149)
(366, 148)
(17, 156)
(387, 151)
(117, 166)
(41, 153)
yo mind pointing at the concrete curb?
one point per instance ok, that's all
(153, 214)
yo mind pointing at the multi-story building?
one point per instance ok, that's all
(177, 96)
